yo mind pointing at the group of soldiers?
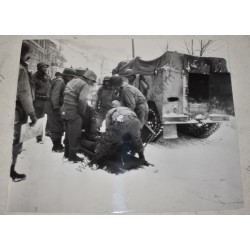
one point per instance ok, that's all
(65, 101)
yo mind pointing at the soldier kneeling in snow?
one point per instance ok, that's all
(121, 122)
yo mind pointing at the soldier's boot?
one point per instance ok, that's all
(74, 158)
(142, 157)
(39, 139)
(16, 177)
(57, 146)
(60, 146)
(66, 151)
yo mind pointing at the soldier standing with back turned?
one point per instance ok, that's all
(73, 112)
(55, 120)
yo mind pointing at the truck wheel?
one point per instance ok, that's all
(154, 121)
(198, 130)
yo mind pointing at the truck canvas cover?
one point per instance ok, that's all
(177, 61)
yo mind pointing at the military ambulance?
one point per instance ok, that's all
(188, 94)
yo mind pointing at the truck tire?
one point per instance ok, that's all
(154, 121)
(198, 130)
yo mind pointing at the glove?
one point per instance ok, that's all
(33, 119)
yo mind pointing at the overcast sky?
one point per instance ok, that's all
(103, 54)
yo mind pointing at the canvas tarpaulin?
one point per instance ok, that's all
(176, 61)
(142, 67)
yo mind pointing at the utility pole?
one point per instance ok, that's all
(133, 48)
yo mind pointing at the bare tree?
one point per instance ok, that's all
(198, 48)
(190, 47)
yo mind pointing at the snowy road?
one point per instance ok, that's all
(189, 175)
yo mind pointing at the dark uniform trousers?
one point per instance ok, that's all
(73, 129)
(115, 133)
(20, 119)
(56, 125)
(39, 106)
(16, 146)
(105, 96)
(89, 123)
(55, 121)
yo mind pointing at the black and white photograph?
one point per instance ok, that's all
(124, 125)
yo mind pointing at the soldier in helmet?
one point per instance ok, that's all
(73, 111)
(41, 81)
(89, 124)
(57, 75)
(55, 120)
(143, 85)
(105, 96)
(131, 76)
(131, 97)
(68, 74)
(80, 72)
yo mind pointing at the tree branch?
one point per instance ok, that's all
(187, 48)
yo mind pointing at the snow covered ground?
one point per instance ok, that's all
(189, 175)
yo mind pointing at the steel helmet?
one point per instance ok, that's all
(116, 80)
(69, 72)
(106, 79)
(129, 72)
(41, 64)
(58, 74)
(89, 74)
(80, 72)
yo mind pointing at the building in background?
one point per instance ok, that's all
(47, 51)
